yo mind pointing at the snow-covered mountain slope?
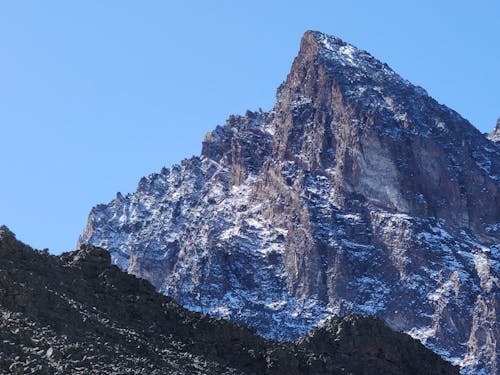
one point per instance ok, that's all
(357, 192)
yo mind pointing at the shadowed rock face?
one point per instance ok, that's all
(357, 193)
(78, 314)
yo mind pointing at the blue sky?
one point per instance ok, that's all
(96, 94)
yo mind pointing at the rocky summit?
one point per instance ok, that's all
(356, 193)
(78, 314)
(495, 134)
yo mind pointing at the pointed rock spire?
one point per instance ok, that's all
(495, 134)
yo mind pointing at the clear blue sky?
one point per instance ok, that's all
(96, 94)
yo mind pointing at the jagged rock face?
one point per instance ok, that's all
(77, 314)
(357, 192)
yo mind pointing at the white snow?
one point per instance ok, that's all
(349, 53)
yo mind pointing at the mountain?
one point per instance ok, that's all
(495, 134)
(356, 193)
(78, 314)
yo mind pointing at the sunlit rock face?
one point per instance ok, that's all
(357, 193)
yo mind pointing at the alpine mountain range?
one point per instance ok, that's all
(356, 193)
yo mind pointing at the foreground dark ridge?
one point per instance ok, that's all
(78, 314)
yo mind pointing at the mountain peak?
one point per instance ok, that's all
(334, 50)
(5, 231)
(337, 54)
(495, 134)
(331, 70)
(321, 40)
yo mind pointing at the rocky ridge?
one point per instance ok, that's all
(78, 314)
(356, 193)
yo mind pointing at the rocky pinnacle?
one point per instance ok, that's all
(495, 134)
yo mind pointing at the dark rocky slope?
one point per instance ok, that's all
(77, 314)
(357, 192)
